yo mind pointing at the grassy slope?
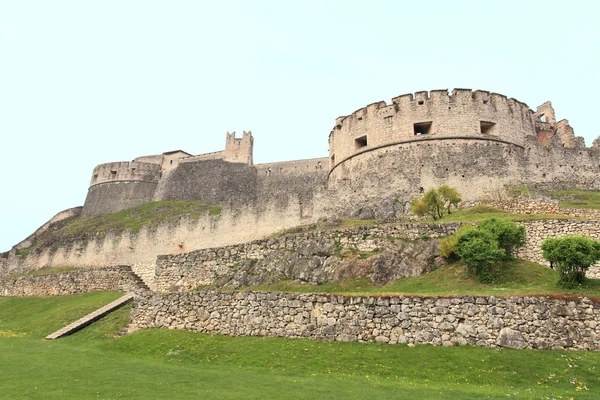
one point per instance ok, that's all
(174, 364)
(517, 278)
(589, 199)
(132, 219)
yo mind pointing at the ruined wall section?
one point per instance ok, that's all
(464, 113)
(120, 185)
(560, 167)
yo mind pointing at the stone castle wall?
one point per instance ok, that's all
(113, 279)
(141, 249)
(517, 322)
(477, 114)
(310, 257)
(120, 185)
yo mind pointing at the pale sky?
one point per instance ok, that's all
(84, 83)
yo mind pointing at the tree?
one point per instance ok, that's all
(509, 234)
(479, 250)
(436, 203)
(572, 255)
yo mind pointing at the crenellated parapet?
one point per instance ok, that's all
(126, 171)
(437, 114)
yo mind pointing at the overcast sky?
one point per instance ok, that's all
(88, 82)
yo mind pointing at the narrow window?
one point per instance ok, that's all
(486, 127)
(333, 159)
(422, 128)
(113, 174)
(388, 121)
(360, 142)
(171, 162)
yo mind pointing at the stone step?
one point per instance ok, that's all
(88, 319)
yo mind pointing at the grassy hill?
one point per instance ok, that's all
(132, 219)
(168, 364)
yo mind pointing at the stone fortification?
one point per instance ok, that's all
(380, 157)
(517, 322)
(114, 279)
(313, 257)
(475, 141)
(426, 115)
(141, 249)
(120, 185)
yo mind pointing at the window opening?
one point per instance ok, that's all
(422, 128)
(360, 142)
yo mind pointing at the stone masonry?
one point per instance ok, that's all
(517, 322)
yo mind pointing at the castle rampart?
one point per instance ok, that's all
(464, 113)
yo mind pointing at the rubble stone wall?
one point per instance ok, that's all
(517, 322)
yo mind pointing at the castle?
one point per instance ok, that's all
(380, 156)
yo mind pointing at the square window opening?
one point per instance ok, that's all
(487, 127)
(360, 142)
(422, 128)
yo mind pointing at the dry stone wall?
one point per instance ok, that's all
(518, 322)
(114, 279)
(312, 257)
(537, 231)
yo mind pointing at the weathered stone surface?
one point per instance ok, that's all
(404, 320)
(511, 338)
(114, 279)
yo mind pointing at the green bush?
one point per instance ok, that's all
(436, 203)
(479, 250)
(509, 234)
(572, 255)
(448, 244)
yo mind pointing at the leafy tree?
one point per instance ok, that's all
(479, 250)
(572, 255)
(436, 203)
(509, 234)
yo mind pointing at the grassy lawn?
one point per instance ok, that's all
(149, 214)
(589, 199)
(157, 364)
(479, 213)
(516, 278)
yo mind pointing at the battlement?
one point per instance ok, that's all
(239, 150)
(462, 113)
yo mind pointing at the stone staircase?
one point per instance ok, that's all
(88, 319)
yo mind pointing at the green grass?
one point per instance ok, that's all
(45, 271)
(479, 213)
(341, 223)
(589, 199)
(132, 219)
(515, 278)
(165, 364)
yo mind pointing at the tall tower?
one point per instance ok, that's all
(239, 150)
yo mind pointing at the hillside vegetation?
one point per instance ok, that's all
(589, 199)
(171, 364)
(517, 277)
(132, 219)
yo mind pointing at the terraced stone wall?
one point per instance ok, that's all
(517, 322)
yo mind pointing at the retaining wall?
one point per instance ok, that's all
(112, 279)
(518, 322)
